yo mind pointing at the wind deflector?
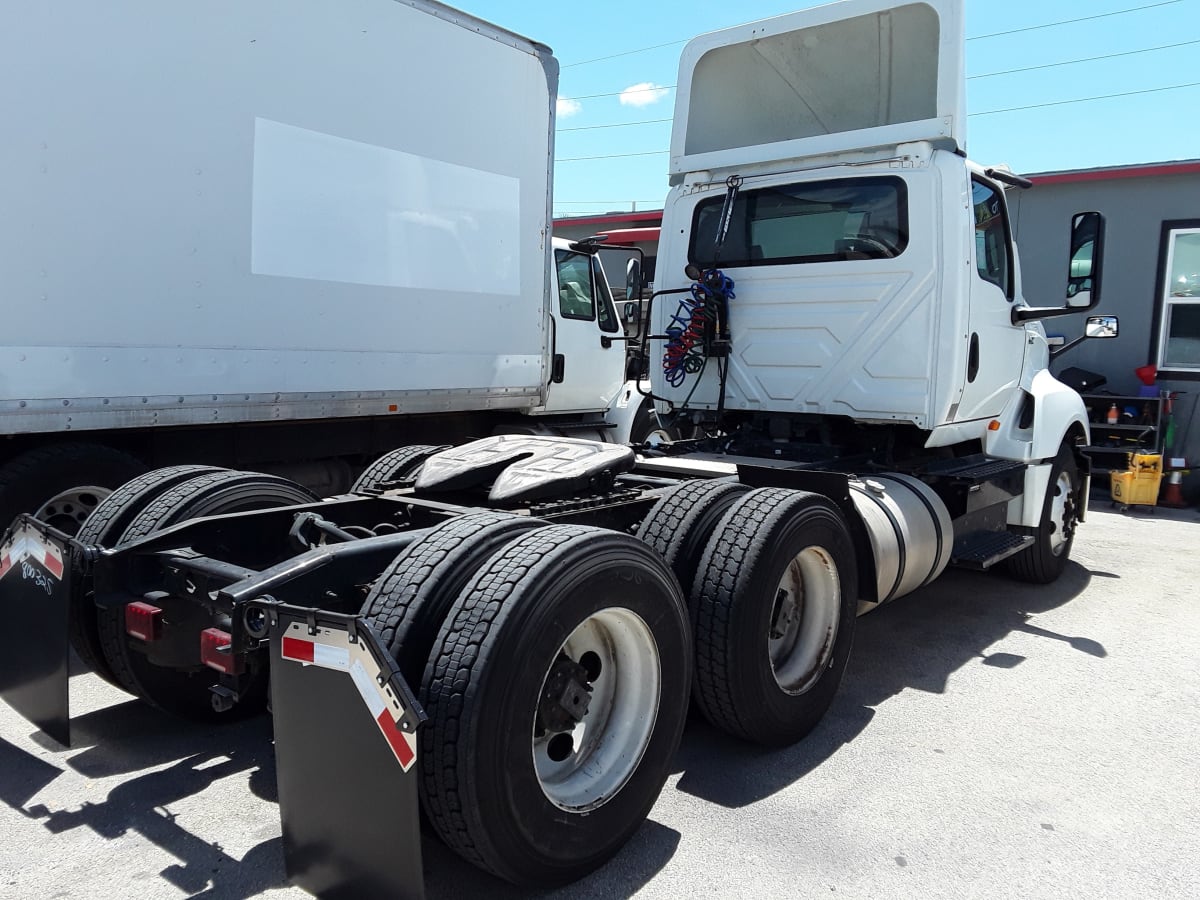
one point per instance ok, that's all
(848, 76)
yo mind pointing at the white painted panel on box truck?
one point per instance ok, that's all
(257, 199)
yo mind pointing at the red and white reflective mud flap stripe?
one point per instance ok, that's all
(27, 544)
(331, 649)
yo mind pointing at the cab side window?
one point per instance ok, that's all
(576, 296)
(993, 256)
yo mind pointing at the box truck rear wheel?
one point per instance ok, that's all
(395, 464)
(556, 696)
(1044, 560)
(776, 594)
(186, 692)
(61, 484)
(409, 601)
(104, 528)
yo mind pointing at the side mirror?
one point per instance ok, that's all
(633, 279)
(1101, 327)
(631, 311)
(1087, 254)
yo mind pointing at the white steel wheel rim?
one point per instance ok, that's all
(72, 505)
(804, 620)
(1058, 513)
(608, 743)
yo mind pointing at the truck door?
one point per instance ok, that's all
(585, 374)
(995, 347)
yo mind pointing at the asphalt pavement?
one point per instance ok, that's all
(991, 739)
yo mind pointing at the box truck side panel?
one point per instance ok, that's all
(247, 204)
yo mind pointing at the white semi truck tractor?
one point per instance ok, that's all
(508, 633)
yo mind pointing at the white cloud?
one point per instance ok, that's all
(643, 94)
(568, 107)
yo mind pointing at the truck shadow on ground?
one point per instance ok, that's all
(133, 736)
(918, 642)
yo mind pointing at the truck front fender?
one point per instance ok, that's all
(1058, 415)
(623, 411)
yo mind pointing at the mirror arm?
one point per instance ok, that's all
(1027, 313)
(1009, 178)
(1056, 352)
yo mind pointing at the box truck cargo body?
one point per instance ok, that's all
(273, 234)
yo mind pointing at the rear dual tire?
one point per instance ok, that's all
(516, 776)
(187, 692)
(773, 594)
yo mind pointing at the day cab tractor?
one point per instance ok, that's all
(507, 634)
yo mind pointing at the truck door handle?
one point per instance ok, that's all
(558, 366)
(973, 359)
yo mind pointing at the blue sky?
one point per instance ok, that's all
(1141, 127)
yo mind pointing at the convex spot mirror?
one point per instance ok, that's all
(1101, 327)
(1087, 253)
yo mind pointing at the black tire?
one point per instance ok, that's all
(647, 426)
(409, 601)
(31, 480)
(186, 692)
(393, 465)
(768, 537)
(679, 525)
(1044, 560)
(488, 673)
(104, 528)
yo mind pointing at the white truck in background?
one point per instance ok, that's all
(507, 634)
(290, 260)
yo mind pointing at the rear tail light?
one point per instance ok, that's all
(143, 621)
(216, 652)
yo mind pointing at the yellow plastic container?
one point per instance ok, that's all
(1138, 485)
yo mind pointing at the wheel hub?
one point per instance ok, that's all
(596, 710)
(804, 620)
(566, 696)
(68, 510)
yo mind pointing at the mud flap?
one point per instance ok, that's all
(346, 757)
(35, 588)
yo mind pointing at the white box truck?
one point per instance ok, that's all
(263, 236)
(507, 634)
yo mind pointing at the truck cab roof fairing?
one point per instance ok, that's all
(847, 76)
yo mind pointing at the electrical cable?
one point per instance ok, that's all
(977, 37)
(1067, 62)
(1071, 62)
(1172, 87)
(986, 112)
(1116, 12)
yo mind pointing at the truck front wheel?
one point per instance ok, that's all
(556, 696)
(775, 598)
(1044, 560)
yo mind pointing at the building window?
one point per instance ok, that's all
(808, 222)
(1179, 328)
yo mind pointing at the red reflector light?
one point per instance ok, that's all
(143, 621)
(215, 651)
